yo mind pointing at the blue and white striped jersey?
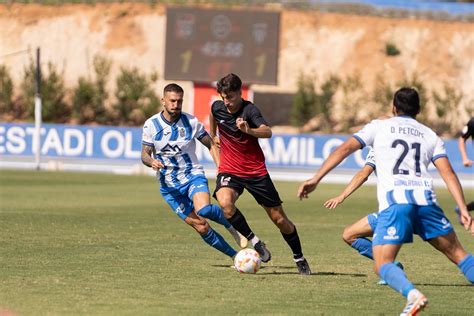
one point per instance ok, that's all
(403, 150)
(175, 147)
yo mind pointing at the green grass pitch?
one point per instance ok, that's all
(99, 244)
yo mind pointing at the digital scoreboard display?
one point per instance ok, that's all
(202, 45)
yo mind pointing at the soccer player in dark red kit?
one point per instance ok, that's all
(242, 166)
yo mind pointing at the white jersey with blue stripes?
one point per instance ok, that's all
(403, 149)
(175, 147)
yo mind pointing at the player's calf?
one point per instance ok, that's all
(382, 281)
(467, 267)
(214, 213)
(214, 239)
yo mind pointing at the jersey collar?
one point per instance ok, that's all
(168, 122)
(406, 116)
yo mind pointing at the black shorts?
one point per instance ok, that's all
(261, 188)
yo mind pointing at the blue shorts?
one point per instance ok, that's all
(398, 223)
(180, 198)
(373, 219)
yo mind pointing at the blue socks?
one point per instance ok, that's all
(364, 247)
(214, 213)
(215, 240)
(467, 267)
(396, 278)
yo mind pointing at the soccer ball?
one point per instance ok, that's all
(247, 261)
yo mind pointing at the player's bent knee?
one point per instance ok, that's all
(228, 212)
(279, 219)
(227, 206)
(347, 240)
(283, 222)
(285, 226)
(348, 236)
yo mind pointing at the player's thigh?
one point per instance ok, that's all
(228, 189)
(198, 192)
(201, 199)
(361, 228)
(227, 198)
(450, 246)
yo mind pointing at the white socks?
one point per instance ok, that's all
(254, 240)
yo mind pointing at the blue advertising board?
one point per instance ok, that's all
(446, 6)
(304, 151)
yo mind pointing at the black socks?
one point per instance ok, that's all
(293, 240)
(240, 224)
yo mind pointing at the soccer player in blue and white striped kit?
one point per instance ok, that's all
(355, 235)
(169, 147)
(407, 203)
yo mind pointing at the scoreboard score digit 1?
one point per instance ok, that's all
(203, 45)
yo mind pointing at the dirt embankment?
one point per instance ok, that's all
(312, 43)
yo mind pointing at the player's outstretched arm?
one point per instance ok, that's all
(359, 178)
(148, 160)
(334, 159)
(462, 149)
(454, 186)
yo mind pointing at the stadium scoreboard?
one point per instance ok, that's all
(202, 45)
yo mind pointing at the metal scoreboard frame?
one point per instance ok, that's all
(202, 45)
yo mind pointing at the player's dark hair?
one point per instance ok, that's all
(229, 83)
(407, 101)
(173, 87)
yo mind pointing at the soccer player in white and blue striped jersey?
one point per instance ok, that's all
(407, 204)
(169, 147)
(355, 235)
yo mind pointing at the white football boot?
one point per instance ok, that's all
(239, 238)
(416, 302)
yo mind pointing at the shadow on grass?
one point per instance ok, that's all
(444, 285)
(267, 270)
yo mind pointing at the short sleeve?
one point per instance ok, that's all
(439, 150)
(200, 130)
(367, 134)
(147, 138)
(255, 118)
(370, 159)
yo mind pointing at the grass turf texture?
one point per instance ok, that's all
(98, 244)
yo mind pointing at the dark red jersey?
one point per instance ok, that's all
(241, 154)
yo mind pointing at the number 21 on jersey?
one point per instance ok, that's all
(406, 148)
